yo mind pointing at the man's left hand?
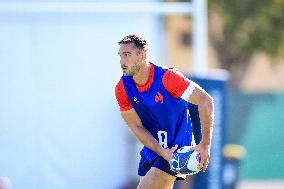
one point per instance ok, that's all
(204, 151)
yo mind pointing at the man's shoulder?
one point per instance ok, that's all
(170, 73)
(168, 70)
(124, 80)
(160, 66)
(121, 96)
(119, 85)
(120, 91)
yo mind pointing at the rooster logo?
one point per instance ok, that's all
(159, 98)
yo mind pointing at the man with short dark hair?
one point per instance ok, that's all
(153, 101)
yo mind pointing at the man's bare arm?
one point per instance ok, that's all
(206, 114)
(143, 135)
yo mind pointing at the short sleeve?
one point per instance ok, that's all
(121, 97)
(175, 83)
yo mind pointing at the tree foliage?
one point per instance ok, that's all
(248, 26)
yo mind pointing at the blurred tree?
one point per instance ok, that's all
(238, 28)
(248, 26)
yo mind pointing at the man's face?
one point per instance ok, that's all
(130, 59)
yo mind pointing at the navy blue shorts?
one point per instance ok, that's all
(158, 162)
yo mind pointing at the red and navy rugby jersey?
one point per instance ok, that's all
(159, 105)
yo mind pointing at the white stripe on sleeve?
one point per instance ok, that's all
(186, 94)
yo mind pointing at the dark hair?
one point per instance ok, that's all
(138, 42)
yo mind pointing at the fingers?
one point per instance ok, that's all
(204, 156)
(169, 153)
(193, 148)
(174, 148)
(204, 163)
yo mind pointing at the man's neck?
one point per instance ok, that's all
(142, 76)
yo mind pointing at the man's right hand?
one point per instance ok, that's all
(168, 153)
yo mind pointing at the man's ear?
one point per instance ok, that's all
(144, 55)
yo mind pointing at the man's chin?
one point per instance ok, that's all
(127, 74)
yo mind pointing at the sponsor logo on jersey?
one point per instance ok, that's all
(135, 100)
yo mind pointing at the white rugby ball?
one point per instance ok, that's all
(185, 161)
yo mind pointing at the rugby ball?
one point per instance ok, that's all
(185, 161)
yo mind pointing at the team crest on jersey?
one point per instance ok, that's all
(135, 100)
(159, 98)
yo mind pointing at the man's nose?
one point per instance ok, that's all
(122, 63)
